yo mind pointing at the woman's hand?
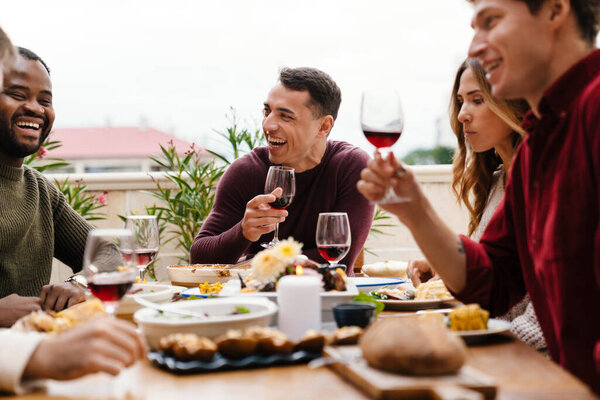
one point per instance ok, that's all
(419, 271)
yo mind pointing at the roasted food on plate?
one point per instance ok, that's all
(188, 347)
(412, 346)
(270, 341)
(468, 318)
(346, 335)
(235, 344)
(433, 290)
(55, 323)
(313, 341)
(404, 291)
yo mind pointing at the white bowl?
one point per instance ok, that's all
(153, 292)
(192, 275)
(368, 283)
(155, 325)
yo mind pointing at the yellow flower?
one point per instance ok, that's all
(266, 266)
(287, 250)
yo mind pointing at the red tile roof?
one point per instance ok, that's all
(112, 142)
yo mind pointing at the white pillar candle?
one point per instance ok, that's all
(299, 299)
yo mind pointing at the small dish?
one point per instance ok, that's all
(354, 314)
(192, 275)
(155, 293)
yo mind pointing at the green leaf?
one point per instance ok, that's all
(365, 298)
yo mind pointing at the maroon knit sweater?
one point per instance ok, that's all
(330, 186)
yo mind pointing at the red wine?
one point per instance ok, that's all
(382, 139)
(333, 252)
(110, 291)
(281, 202)
(144, 256)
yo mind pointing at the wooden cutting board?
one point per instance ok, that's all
(467, 384)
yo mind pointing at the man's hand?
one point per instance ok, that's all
(59, 296)
(13, 307)
(260, 218)
(101, 345)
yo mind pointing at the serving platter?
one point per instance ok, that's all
(221, 363)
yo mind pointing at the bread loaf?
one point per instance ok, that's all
(412, 346)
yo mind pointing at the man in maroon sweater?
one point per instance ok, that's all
(545, 236)
(298, 115)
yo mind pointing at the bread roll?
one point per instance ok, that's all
(387, 268)
(412, 346)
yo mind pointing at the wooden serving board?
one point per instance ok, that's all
(467, 384)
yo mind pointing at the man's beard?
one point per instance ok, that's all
(10, 145)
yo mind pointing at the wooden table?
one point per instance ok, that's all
(520, 372)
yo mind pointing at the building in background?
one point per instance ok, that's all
(113, 149)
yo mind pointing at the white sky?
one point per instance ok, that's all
(181, 64)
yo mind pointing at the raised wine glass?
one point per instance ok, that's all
(284, 178)
(147, 240)
(333, 236)
(109, 265)
(382, 122)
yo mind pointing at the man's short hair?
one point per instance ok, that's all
(325, 95)
(587, 14)
(30, 55)
(7, 50)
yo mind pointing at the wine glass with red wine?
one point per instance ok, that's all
(382, 122)
(109, 265)
(284, 178)
(333, 236)
(147, 239)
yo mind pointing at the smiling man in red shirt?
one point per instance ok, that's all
(545, 236)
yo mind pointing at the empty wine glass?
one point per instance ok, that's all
(284, 178)
(382, 122)
(147, 240)
(333, 236)
(109, 263)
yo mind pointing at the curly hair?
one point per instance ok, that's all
(473, 173)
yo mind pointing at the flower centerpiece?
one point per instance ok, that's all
(285, 258)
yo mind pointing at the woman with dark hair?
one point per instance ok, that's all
(488, 132)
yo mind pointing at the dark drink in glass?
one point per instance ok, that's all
(333, 252)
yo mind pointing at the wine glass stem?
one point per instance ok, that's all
(276, 234)
(110, 308)
(142, 272)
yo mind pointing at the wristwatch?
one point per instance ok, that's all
(78, 280)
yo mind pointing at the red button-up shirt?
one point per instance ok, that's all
(544, 238)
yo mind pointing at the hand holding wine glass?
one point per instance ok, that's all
(284, 178)
(147, 239)
(333, 236)
(382, 122)
(109, 265)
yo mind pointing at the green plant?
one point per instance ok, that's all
(240, 139)
(86, 204)
(378, 224)
(182, 210)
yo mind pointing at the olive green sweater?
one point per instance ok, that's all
(36, 224)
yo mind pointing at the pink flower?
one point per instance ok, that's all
(102, 199)
(42, 152)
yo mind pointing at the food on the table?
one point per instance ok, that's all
(43, 321)
(412, 346)
(432, 290)
(401, 292)
(313, 341)
(346, 335)
(235, 344)
(270, 341)
(387, 268)
(468, 318)
(188, 347)
(210, 288)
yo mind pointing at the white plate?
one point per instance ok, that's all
(155, 293)
(369, 283)
(328, 299)
(413, 304)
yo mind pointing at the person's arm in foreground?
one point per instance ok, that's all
(101, 345)
(13, 307)
(442, 247)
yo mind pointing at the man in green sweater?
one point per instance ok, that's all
(36, 222)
